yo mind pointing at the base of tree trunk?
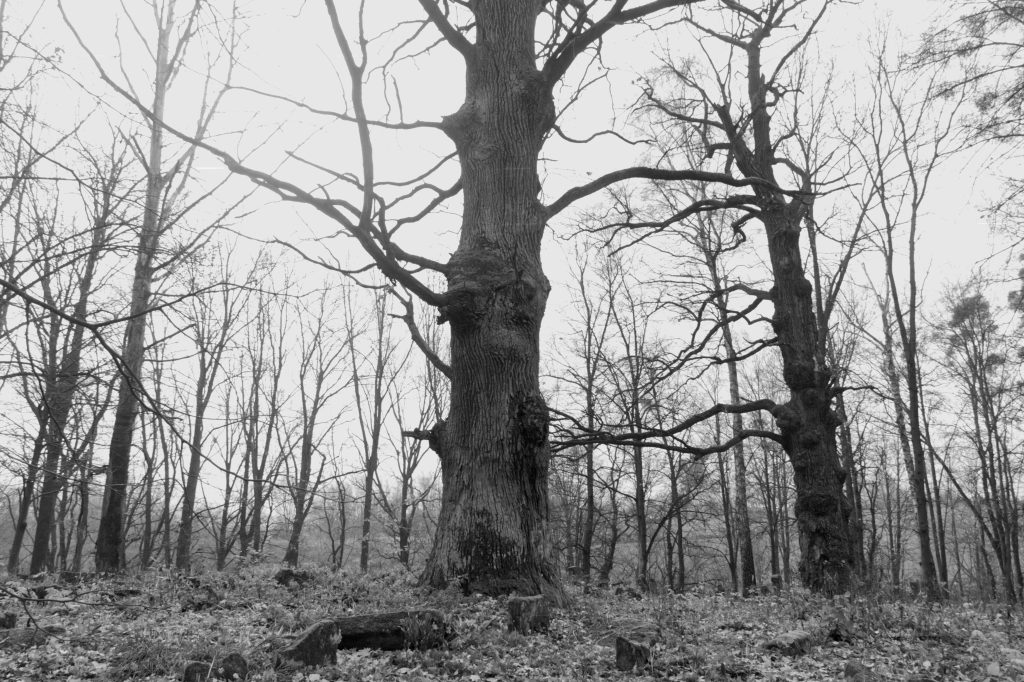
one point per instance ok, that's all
(529, 614)
(492, 585)
(317, 646)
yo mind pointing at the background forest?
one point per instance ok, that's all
(222, 342)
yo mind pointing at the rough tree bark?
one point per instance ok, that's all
(806, 422)
(492, 533)
(494, 451)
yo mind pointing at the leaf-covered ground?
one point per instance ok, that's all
(147, 628)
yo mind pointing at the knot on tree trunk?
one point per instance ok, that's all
(458, 126)
(533, 419)
(534, 95)
(787, 419)
(798, 374)
(476, 273)
(821, 505)
(434, 437)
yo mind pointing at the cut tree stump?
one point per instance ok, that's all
(417, 629)
(528, 614)
(631, 653)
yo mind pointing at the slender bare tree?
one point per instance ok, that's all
(321, 358)
(906, 134)
(212, 319)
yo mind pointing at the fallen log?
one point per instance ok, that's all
(416, 629)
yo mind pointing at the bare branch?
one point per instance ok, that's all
(640, 172)
(450, 33)
(417, 337)
(643, 437)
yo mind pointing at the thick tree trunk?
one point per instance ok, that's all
(492, 532)
(806, 421)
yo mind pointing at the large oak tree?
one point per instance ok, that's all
(492, 532)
